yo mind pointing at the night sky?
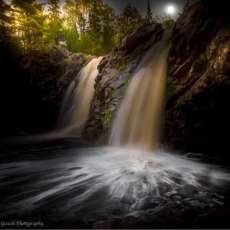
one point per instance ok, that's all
(158, 6)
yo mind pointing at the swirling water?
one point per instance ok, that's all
(102, 182)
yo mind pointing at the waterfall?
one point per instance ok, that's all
(76, 103)
(137, 121)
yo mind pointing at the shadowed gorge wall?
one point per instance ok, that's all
(197, 117)
(33, 86)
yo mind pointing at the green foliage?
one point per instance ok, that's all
(55, 22)
(122, 63)
(27, 24)
(107, 110)
(65, 62)
(4, 19)
(8, 44)
(107, 118)
(87, 26)
(100, 30)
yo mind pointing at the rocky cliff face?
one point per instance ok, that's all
(196, 117)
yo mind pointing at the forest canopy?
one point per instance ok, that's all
(88, 26)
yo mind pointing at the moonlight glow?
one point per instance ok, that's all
(170, 9)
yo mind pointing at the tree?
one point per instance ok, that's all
(76, 22)
(77, 14)
(5, 20)
(108, 28)
(28, 23)
(70, 31)
(55, 22)
(95, 24)
(54, 8)
(129, 20)
(83, 16)
(101, 27)
(88, 26)
(149, 15)
(81, 10)
(7, 44)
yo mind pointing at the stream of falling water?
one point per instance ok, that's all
(138, 118)
(76, 104)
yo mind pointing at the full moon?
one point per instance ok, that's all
(170, 9)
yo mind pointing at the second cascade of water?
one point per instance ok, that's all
(137, 122)
(76, 104)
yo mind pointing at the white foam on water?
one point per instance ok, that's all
(105, 179)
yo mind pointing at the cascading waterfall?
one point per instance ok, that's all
(102, 183)
(76, 104)
(137, 121)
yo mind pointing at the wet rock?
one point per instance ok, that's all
(199, 82)
(141, 35)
